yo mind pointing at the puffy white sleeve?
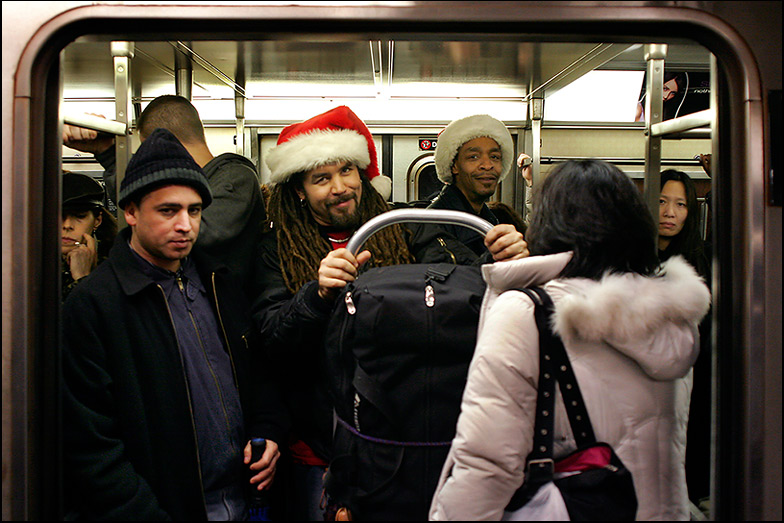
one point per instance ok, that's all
(494, 435)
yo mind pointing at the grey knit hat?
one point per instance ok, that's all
(162, 160)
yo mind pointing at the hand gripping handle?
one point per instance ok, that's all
(373, 225)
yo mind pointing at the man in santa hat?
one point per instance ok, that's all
(473, 155)
(325, 184)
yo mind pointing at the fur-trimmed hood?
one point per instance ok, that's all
(624, 306)
(620, 309)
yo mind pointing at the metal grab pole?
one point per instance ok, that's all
(122, 52)
(654, 104)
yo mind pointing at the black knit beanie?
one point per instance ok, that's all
(162, 160)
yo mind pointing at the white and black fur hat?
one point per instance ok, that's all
(465, 129)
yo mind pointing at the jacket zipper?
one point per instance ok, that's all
(225, 336)
(430, 320)
(443, 244)
(190, 401)
(204, 352)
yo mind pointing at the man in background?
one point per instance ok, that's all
(472, 156)
(232, 225)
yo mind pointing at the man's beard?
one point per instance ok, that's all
(343, 220)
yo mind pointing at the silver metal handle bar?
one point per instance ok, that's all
(373, 225)
(96, 123)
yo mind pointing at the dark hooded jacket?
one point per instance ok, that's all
(231, 226)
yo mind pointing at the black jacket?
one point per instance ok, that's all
(129, 441)
(451, 198)
(232, 224)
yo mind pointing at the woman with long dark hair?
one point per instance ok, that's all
(679, 234)
(629, 327)
(679, 222)
(674, 87)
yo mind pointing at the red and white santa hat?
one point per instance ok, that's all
(335, 136)
(466, 129)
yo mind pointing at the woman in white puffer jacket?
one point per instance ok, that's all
(630, 331)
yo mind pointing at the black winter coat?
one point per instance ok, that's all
(450, 198)
(129, 440)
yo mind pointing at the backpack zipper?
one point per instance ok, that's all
(350, 304)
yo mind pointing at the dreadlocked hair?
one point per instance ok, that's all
(300, 246)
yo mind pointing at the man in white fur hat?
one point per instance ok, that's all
(472, 156)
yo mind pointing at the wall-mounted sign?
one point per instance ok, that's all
(427, 144)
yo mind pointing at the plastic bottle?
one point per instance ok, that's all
(259, 509)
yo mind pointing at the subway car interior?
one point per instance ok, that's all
(566, 78)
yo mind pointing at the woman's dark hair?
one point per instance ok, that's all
(671, 107)
(105, 233)
(592, 208)
(688, 242)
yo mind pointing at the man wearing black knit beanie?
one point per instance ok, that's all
(158, 354)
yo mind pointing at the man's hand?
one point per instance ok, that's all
(265, 466)
(337, 269)
(83, 258)
(524, 164)
(86, 140)
(505, 243)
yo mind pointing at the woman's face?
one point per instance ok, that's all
(673, 209)
(670, 89)
(75, 225)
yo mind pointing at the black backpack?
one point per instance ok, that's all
(398, 347)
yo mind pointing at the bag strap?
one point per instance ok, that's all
(554, 366)
(370, 389)
(567, 381)
(539, 463)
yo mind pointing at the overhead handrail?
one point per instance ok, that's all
(619, 160)
(96, 123)
(683, 123)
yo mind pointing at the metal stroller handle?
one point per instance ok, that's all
(372, 226)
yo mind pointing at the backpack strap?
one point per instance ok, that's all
(372, 391)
